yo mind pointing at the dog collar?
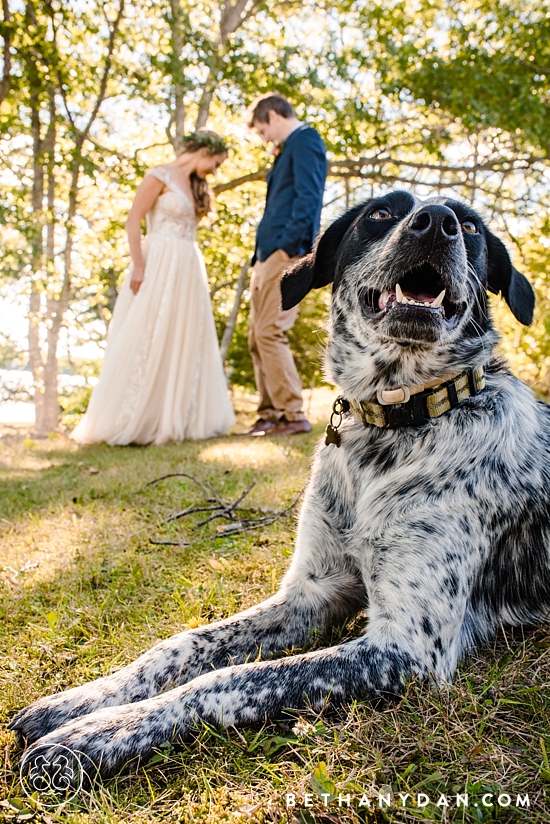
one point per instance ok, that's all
(408, 405)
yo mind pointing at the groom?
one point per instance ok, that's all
(286, 231)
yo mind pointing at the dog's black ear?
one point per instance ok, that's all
(317, 268)
(504, 279)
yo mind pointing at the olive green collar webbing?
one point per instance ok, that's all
(408, 405)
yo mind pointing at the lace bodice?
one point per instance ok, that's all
(173, 213)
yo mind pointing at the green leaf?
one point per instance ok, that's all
(321, 783)
(19, 805)
(52, 618)
(273, 744)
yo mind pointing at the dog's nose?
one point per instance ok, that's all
(435, 221)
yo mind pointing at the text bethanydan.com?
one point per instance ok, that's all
(385, 801)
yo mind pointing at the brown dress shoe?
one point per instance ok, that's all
(261, 427)
(285, 427)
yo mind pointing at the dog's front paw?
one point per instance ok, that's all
(101, 744)
(49, 713)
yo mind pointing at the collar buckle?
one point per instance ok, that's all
(387, 397)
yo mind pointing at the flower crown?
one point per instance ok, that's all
(207, 140)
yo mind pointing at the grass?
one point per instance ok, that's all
(84, 591)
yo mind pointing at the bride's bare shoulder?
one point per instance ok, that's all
(162, 170)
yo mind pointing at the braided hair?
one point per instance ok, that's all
(214, 145)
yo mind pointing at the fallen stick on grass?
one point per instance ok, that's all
(222, 509)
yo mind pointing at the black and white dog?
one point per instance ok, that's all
(428, 505)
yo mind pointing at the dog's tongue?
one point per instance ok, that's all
(415, 297)
(421, 298)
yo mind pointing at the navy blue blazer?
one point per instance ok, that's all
(295, 188)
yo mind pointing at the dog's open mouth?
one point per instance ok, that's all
(420, 289)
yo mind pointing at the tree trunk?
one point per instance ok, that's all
(176, 126)
(204, 108)
(47, 413)
(232, 322)
(44, 360)
(35, 355)
(43, 271)
(56, 308)
(37, 254)
(6, 74)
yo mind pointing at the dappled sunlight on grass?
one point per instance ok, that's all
(82, 588)
(249, 452)
(19, 455)
(48, 545)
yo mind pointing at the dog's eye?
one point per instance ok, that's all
(470, 227)
(380, 214)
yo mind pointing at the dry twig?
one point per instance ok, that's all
(206, 487)
(222, 509)
(228, 512)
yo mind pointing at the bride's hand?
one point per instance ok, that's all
(137, 279)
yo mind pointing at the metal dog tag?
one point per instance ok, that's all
(332, 436)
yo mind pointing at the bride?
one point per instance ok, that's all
(162, 377)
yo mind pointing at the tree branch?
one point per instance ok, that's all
(260, 174)
(177, 116)
(6, 75)
(355, 167)
(106, 71)
(60, 81)
(231, 323)
(232, 17)
(225, 285)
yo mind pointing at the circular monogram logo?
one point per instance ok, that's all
(51, 774)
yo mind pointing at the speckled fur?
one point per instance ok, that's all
(441, 531)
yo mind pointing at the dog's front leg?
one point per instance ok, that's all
(419, 572)
(313, 596)
(282, 621)
(235, 696)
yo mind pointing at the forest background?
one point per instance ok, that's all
(427, 95)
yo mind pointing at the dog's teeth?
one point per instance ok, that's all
(439, 299)
(399, 294)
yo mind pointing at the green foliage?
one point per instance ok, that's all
(432, 96)
(308, 336)
(12, 354)
(490, 70)
(73, 404)
(528, 349)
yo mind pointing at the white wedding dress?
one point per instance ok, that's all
(162, 377)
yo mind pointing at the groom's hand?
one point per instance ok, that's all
(284, 254)
(137, 279)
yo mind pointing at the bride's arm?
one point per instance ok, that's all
(147, 192)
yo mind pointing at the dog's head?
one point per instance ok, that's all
(410, 290)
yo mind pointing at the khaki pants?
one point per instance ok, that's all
(277, 379)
